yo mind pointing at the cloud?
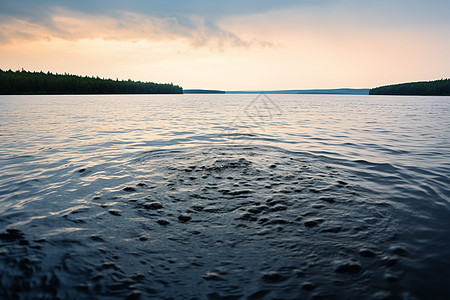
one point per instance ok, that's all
(194, 21)
(126, 26)
(158, 8)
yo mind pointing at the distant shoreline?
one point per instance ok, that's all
(342, 91)
(40, 83)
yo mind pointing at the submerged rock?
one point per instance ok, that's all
(12, 235)
(328, 199)
(398, 250)
(134, 295)
(273, 276)
(308, 286)
(239, 193)
(211, 276)
(390, 277)
(163, 222)
(96, 238)
(184, 218)
(347, 266)
(366, 253)
(381, 295)
(391, 260)
(115, 212)
(152, 205)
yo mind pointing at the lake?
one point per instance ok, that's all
(225, 197)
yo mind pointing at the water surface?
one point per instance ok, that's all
(225, 196)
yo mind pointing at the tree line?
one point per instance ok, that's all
(423, 88)
(25, 82)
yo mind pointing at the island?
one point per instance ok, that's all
(422, 88)
(40, 83)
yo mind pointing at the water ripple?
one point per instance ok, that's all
(322, 201)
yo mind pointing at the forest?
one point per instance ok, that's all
(25, 82)
(423, 88)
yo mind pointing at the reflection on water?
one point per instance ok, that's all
(224, 196)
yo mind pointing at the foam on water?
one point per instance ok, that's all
(105, 209)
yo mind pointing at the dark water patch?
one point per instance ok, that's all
(364, 252)
(115, 212)
(151, 205)
(184, 218)
(347, 266)
(163, 222)
(12, 235)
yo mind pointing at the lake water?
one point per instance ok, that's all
(225, 197)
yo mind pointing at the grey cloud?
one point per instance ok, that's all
(180, 18)
(159, 8)
(183, 16)
(212, 10)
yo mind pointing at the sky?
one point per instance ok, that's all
(233, 44)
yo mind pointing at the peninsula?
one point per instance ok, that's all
(33, 83)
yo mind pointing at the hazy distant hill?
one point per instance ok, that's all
(422, 88)
(24, 82)
(343, 91)
(199, 91)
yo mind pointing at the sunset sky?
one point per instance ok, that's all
(231, 45)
